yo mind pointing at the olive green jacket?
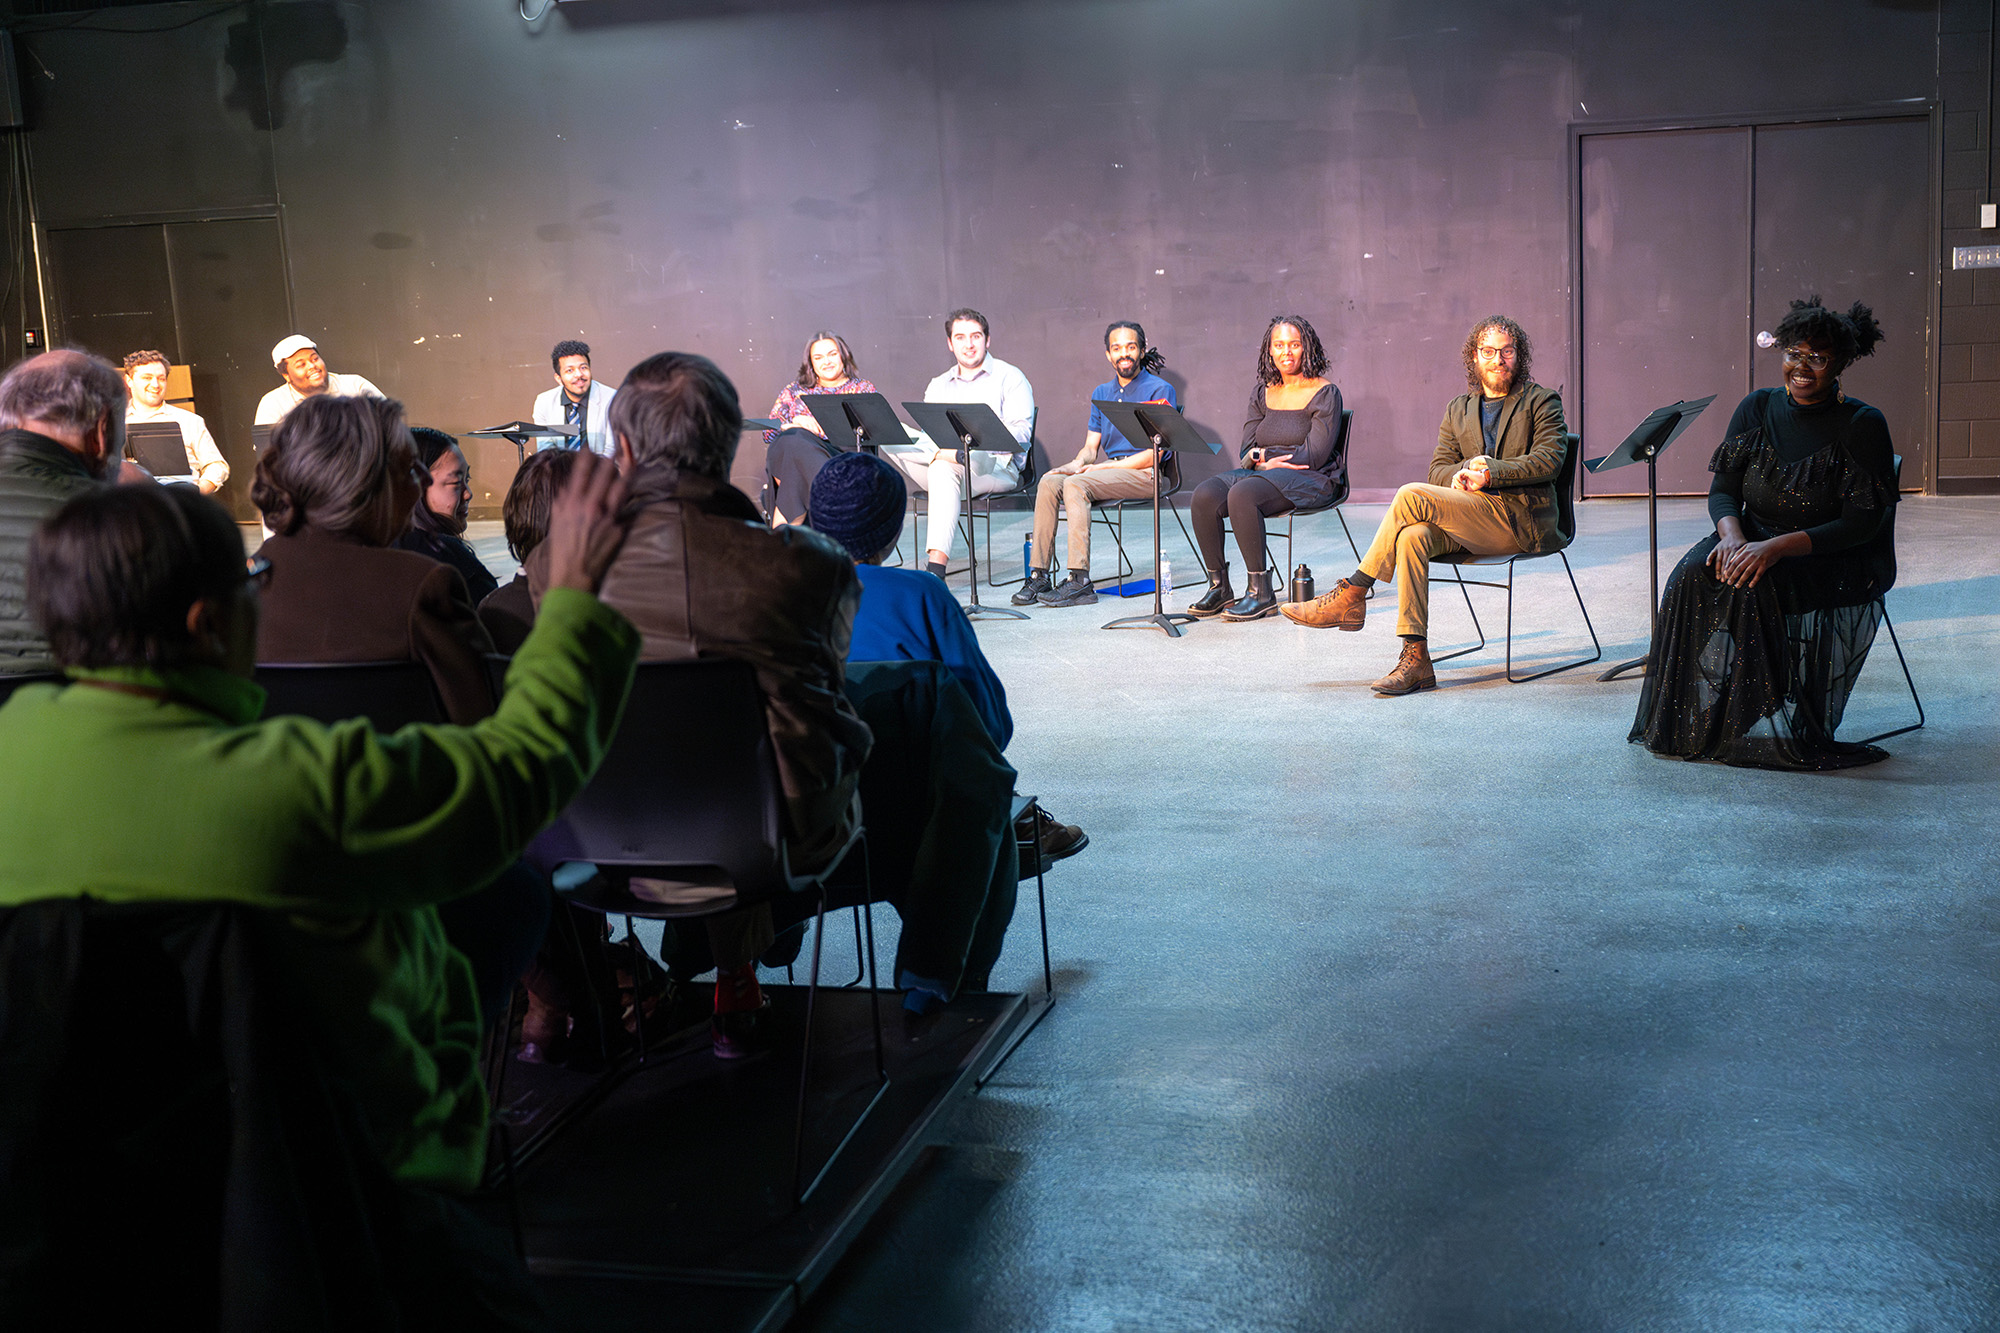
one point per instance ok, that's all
(1529, 458)
(131, 797)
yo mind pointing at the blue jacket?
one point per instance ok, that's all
(909, 615)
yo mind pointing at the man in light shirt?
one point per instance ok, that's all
(297, 359)
(976, 376)
(577, 400)
(146, 382)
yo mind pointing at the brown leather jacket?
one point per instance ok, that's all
(1527, 460)
(701, 575)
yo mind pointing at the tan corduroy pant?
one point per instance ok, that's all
(1428, 521)
(1074, 493)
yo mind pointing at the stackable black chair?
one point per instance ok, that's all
(1111, 515)
(1888, 535)
(685, 820)
(391, 695)
(982, 508)
(1566, 525)
(1281, 571)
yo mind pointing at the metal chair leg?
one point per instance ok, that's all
(1048, 975)
(1903, 662)
(1578, 594)
(1476, 629)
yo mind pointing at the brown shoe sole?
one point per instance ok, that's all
(1285, 611)
(1423, 683)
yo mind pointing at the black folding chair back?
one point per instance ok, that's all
(391, 695)
(689, 792)
(1566, 527)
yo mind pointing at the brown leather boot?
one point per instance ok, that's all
(1346, 607)
(1413, 671)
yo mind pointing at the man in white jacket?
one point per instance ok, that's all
(297, 359)
(577, 400)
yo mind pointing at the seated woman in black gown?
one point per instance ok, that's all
(1288, 463)
(1765, 625)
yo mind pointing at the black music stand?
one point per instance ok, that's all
(259, 437)
(974, 426)
(520, 432)
(1648, 440)
(857, 420)
(760, 423)
(1165, 429)
(157, 446)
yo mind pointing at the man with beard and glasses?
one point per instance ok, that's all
(437, 524)
(62, 431)
(1491, 492)
(297, 358)
(1110, 467)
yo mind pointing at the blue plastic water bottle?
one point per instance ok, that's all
(1027, 549)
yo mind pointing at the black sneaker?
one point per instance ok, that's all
(1031, 591)
(1076, 590)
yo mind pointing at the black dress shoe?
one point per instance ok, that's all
(1037, 584)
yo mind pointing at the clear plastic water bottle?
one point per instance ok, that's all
(1166, 584)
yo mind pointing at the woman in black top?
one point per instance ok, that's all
(1765, 625)
(1288, 463)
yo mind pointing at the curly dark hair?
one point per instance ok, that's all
(568, 347)
(1524, 352)
(1312, 366)
(133, 360)
(1843, 335)
(1151, 358)
(808, 377)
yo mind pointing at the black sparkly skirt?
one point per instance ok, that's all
(1736, 676)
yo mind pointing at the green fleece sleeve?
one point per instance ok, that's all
(434, 812)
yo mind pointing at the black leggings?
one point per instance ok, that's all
(1248, 500)
(791, 461)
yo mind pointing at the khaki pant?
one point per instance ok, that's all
(1073, 493)
(1427, 521)
(937, 472)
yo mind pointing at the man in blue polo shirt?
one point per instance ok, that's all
(1109, 468)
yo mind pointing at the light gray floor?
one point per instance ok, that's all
(1457, 1012)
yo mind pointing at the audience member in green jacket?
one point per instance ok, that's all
(353, 836)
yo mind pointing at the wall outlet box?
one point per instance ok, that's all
(1987, 216)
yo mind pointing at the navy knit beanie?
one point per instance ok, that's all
(858, 500)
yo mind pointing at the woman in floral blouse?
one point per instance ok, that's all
(796, 451)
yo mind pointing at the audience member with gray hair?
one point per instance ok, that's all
(62, 431)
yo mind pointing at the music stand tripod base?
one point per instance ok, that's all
(1170, 621)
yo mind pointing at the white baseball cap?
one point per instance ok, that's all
(298, 342)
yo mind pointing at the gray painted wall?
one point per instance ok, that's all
(460, 188)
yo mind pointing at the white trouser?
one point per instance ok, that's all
(937, 472)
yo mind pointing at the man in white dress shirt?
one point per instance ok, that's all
(146, 385)
(976, 376)
(577, 400)
(297, 359)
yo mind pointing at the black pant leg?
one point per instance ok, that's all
(791, 462)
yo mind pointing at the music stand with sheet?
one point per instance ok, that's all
(1648, 440)
(856, 420)
(520, 432)
(975, 426)
(1164, 429)
(159, 447)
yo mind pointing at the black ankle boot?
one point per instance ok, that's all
(1219, 594)
(1259, 601)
